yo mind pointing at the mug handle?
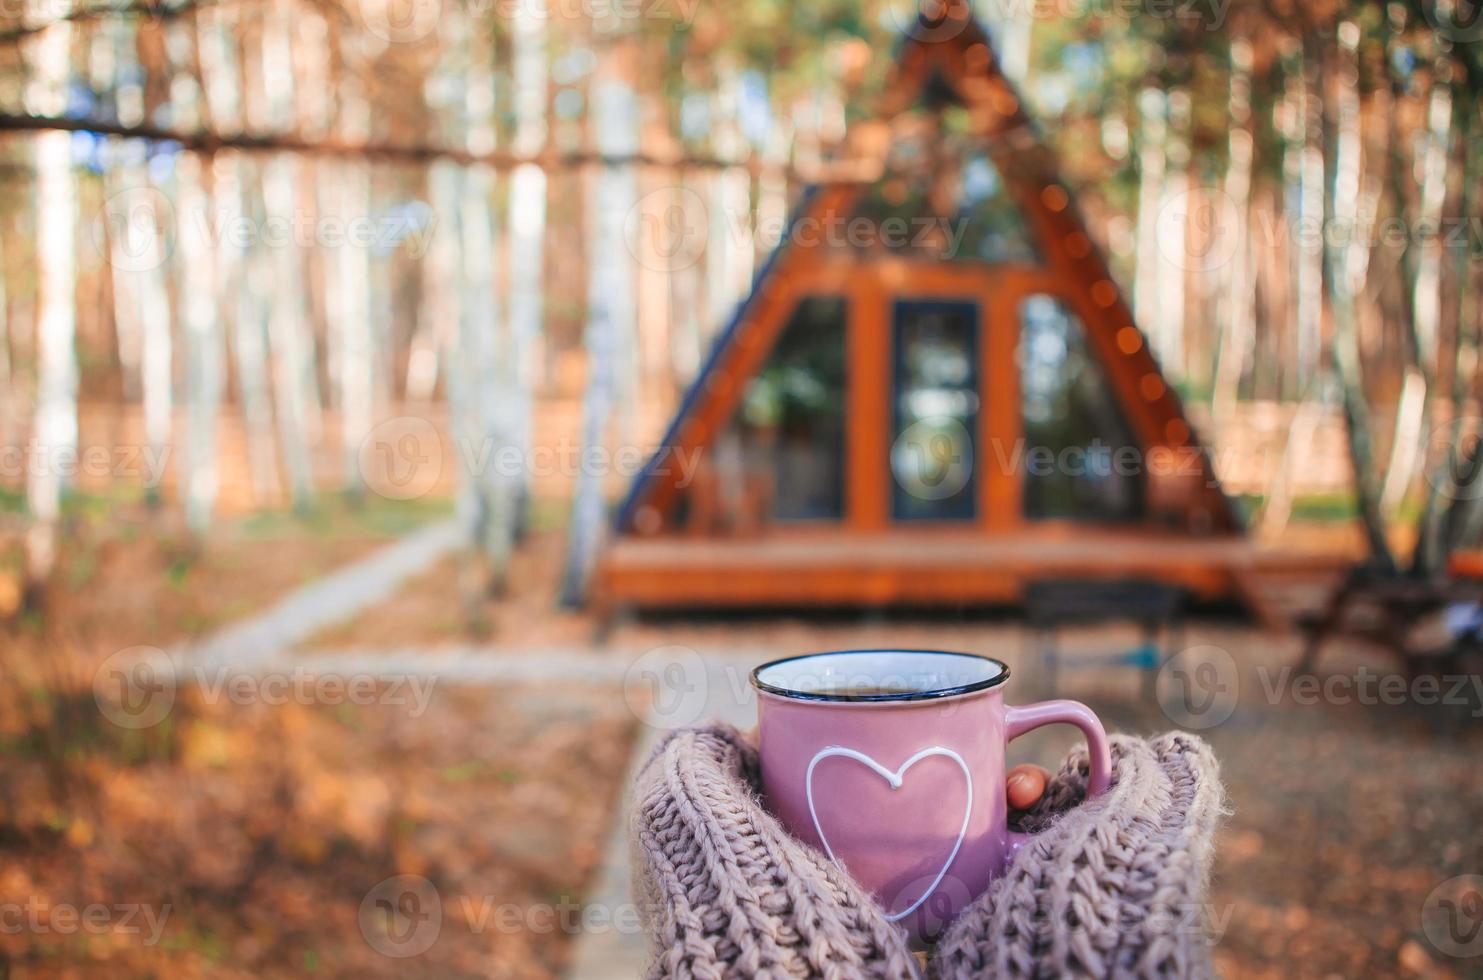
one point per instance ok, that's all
(1019, 719)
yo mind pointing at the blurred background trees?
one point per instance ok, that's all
(246, 237)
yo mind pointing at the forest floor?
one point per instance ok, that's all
(275, 832)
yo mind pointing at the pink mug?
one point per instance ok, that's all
(892, 763)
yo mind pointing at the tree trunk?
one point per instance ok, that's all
(1240, 319)
(1152, 148)
(1412, 410)
(352, 324)
(527, 241)
(199, 481)
(250, 337)
(1309, 253)
(1347, 263)
(8, 401)
(1452, 516)
(729, 250)
(289, 337)
(608, 304)
(55, 426)
(682, 215)
(1175, 255)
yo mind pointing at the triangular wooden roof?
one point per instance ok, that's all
(953, 52)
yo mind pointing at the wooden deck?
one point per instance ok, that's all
(931, 567)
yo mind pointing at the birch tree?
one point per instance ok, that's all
(1308, 255)
(609, 303)
(8, 401)
(249, 334)
(196, 292)
(1151, 143)
(54, 430)
(527, 235)
(487, 378)
(1348, 261)
(140, 225)
(1174, 248)
(204, 354)
(350, 307)
(1240, 320)
(294, 383)
(1425, 296)
(729, 251)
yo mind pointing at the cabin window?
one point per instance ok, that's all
(936, 402)
(782, 455)
(1079, 456)
(793, 413)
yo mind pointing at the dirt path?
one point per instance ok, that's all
(334, 598)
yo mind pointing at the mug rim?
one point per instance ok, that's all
(831, 698)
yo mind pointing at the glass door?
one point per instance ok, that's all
(935, 409)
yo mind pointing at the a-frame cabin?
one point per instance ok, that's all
(934, 394)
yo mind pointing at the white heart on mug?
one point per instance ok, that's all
(894, 779)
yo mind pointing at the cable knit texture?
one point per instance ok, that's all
(1112, 888)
